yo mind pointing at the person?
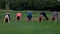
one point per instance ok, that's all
(54, 16)
(18, 16)
(42, 15)
(6, 19)
(29, 16)
(8, 15)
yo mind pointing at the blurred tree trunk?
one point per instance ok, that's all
(7, 5)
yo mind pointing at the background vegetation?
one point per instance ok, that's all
(30, 4)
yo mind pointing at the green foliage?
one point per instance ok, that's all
(2, 4)
(32, 4)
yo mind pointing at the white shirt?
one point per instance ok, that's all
(6, 16)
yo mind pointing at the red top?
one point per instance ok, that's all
(19, 14)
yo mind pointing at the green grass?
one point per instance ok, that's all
(24, 27)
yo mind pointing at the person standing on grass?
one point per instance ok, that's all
(29, 16)
(42, 15)
(54, 16)
(19, 16)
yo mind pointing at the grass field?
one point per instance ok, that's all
(15, 27)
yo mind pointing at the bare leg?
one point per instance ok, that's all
(4, 20)
(8, 20)
(56, 20)
(50, 19)
(27, 19)
(20, 19)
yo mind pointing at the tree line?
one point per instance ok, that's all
(30, 4)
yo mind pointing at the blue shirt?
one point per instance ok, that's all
(29, 13)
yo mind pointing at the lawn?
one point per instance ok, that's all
(23, 27)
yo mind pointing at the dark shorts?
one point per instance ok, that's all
(6, 20)
(18, 17)
(40, 18)
(53, 17)
(29, 17)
